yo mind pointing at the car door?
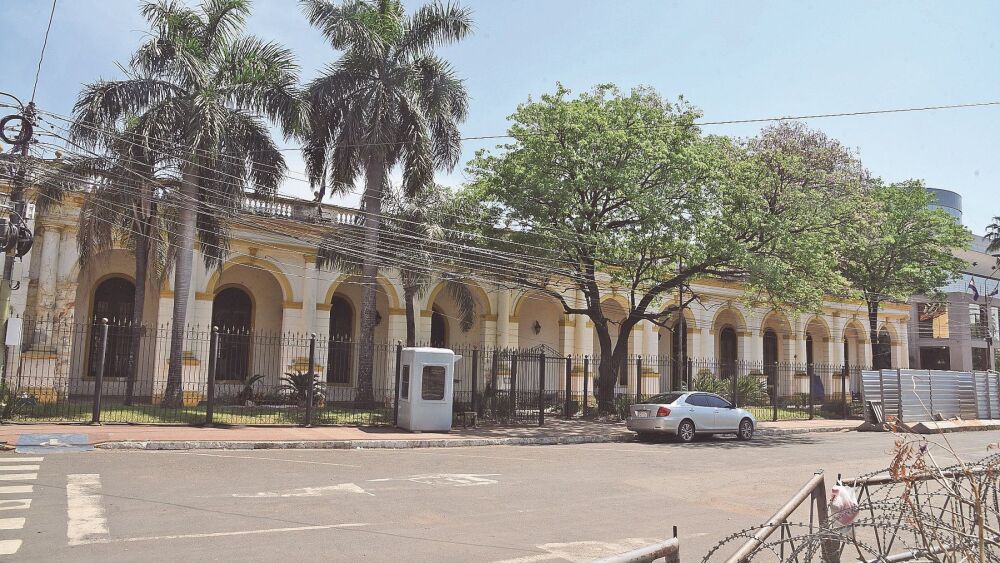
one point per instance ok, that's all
(727, 419)
(701, 412)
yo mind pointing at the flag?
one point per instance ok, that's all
(975, 290)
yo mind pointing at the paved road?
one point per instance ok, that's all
(523, 504)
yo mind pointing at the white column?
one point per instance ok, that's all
(48, 273)
(756, 346)
(746, 346)
(503, 318)
(707, 345)
(580, 330)
(904, 345)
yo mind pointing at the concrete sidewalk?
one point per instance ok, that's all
(161, 437)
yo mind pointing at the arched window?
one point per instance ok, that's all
(810, 357)
(439, 328)
(883, 360)
(232, 313)
(340, 358)
(679, 352)
(728, 351)
(771, 357)
(114, 299)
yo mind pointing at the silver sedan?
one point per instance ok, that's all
(686, 414)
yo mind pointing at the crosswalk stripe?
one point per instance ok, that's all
(87, 521)
(17, 489)
(11, 523)
(19, 459)
(19, 477)
(9, 547)
(15, 504)
(18, 468)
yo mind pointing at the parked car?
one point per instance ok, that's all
(686, 414)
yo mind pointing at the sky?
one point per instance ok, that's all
(733, 60)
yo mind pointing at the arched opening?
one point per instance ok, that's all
(679, 354)
(771, 357)
(114, 299)
(810, 354)
(728, 352)
(439, 328)
(339, 358)
(232, 313)
(883, 359)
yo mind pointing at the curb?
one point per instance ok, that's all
(153, 445)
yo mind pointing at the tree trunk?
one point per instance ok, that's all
(183, 266)
(606, 372)
(873, 307)
(409, 292)
(375, 176)
(141, 274)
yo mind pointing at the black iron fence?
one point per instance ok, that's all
(116, 372)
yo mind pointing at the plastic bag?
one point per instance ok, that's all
(843, 505)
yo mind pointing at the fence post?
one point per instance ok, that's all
(399, 371)
(541, 389)
(732, 384)
(475, 381)
(494, 368)
(689, 367)
(638, 379)
(843, 392)
(513, 383)
(569, 385)
(312, 380)
(774, 392)
(812, 397)
(213, 350)
(95, 416)
(586, 385)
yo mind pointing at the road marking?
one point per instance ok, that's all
(263, 458)
(18, 489)
(19, 477)
(9, 547)
(19, 459)
(11, 523)
(15, 504)
(18, 468)
(494, 457)
(451, 479)
(224, 534)
(86, 514)
(308, 492)
(580, 551)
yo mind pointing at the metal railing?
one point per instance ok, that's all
(669, 551)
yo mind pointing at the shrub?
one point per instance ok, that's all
(297, 384)
(750, 389)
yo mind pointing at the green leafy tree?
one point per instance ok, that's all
(623, 190)
(201, 93)
(900, 247)
(993, 233)
(388, 101)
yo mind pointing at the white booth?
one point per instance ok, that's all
(427, 389)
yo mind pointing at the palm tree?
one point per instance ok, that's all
(200, 93)
(417, 238)
(120, 208)
(387, 101)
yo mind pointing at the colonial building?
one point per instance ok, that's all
(270, 284)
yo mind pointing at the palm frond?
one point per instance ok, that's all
(435, 25)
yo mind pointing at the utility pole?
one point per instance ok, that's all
(15, 226)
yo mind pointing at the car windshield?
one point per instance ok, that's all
(663, 399)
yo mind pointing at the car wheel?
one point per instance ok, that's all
(746, 430)
(685, 431)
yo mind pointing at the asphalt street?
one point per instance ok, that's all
(515, 504)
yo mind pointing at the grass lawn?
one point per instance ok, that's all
(80, 411)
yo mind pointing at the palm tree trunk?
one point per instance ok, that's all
(183, 268)
(375, 176)
(141, 274)
(409, 292)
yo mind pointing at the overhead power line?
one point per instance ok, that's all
(41, 55)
